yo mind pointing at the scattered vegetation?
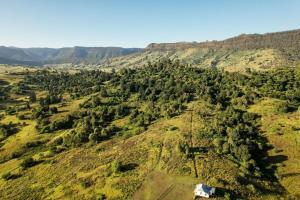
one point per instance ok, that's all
(165, 116)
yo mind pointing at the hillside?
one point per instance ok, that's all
(149, 133)
(39, 56)
(256, 51)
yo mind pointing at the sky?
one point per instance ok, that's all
(136, 23)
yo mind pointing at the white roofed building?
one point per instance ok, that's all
(202, 190)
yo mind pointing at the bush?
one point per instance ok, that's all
(28, 162)
(7, 176)
(57, 141)
(86, 183)
(252, 188)
(218, 144)
(227, 196)
(21, 117)
(17, 154)
(173, 128)
(34, 144)
(94, 137)
(61, 124)
(282, 107)
(53, 110)
(102, 196)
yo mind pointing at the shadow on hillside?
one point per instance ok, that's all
(128, 167)
(276, 159)
(222, 192)
(290, 175)
(62, 111)
(268, 165)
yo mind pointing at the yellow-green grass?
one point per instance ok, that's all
(283, 132)
(66, 109)
(10, 73)
(166, 186)
(17, 141)
(152, 152)
(156, 163)
(229, 60)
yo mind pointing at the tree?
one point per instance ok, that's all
(102, 197)
(27, 162)
(95, 137)
(32, 97)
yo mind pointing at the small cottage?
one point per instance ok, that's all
(203, 190)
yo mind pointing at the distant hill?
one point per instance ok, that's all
(277, 40)
(256, 51)
(35, 56)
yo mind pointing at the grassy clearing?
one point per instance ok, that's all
(17, 141)
(67, 108)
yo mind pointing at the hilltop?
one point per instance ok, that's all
(255, 51)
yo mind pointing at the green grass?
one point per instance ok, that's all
(283, 133)
(230, 60)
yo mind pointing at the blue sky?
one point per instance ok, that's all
(136, 23)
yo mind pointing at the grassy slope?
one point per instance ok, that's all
(153, 155)
(228, 59)
(283, 132)
(155, 166)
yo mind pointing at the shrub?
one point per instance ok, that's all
(17, 154)
(282, 107)
(94, 137)
(225, 148)
(7, 176)
(58, 141)
(34, 144)
(218, 144)
(86, 183)
(64, 123)
(102, 196)
(53, 110)
(21, 117)
(227, 196)
(252, 188)
(173, 128)
(28, 162)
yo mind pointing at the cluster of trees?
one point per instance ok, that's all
(49, 99)
(236, 133)
(19, 88)
(4, 90)
(281, 84)
(78, 84)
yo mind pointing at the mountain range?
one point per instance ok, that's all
(39, 56)
(255, 51)
(259, 51)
